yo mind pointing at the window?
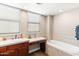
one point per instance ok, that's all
(9, 20)
(33, 22)
(33, 27)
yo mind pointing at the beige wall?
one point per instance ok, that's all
(43, 26)
(49, 23)
(64, 26)
(23, 22)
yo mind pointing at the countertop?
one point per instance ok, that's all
(12, 42)
(17, 41)
(36, 39)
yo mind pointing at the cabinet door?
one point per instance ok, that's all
(5, 52)
(13, 49)
(23, 51)
(2, 49)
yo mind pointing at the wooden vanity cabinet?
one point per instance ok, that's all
(24, 49)
(2, 49)
(5, 52)
(20, 49)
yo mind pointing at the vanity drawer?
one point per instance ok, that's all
(14, 46)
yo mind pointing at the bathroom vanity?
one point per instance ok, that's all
(20, 47)
(17, 47)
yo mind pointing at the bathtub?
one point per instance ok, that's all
(59, 48)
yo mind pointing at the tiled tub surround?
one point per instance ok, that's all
(59, 48)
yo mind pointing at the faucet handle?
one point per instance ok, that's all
(15, 36)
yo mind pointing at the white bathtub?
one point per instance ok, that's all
(65, 48)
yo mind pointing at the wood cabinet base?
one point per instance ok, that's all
(15, 50)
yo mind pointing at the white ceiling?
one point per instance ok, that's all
(48, 8)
